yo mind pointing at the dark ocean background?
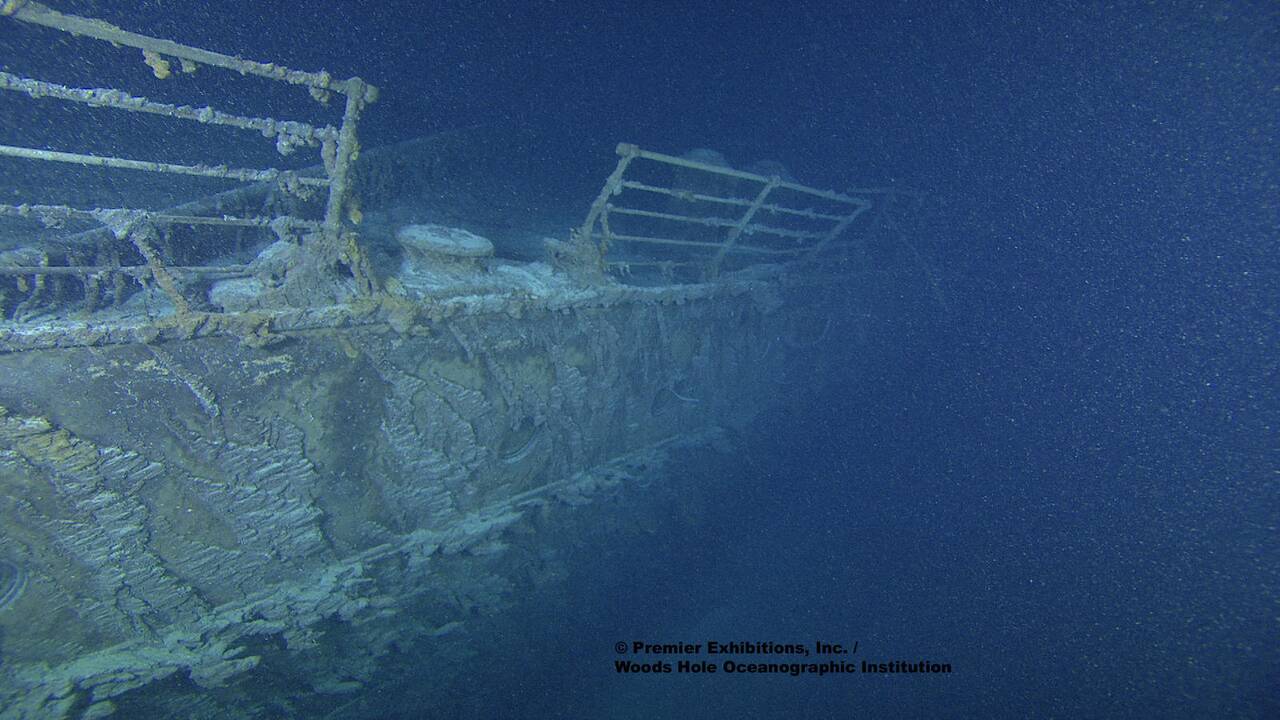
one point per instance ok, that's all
(1061, 479)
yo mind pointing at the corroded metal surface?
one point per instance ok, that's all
(179, 504)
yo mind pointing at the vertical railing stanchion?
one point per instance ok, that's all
(612, 186)
(714, 266)
(338, 240)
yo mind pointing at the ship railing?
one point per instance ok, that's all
(146, 232)
(681, 213)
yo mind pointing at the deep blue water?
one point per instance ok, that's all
(1066, 485)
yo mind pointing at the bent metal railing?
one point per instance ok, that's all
(333, 235)
(738, 213)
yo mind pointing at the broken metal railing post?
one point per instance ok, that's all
(141, 235)
(339, 207)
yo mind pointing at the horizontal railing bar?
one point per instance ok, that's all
(660, 263)
(63, 212)
(39, 14)
(634, 151)
(709, 221)
(807, 214)
(755, 229)
(134, 270)
(684, 194)
(290, 130)
(696, 243)
(629, 150)
(698, 197)
(751, 229)
(259, 222)
(885, 191)
(220, 172)
(659, 241)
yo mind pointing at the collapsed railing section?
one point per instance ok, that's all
(96, 257)
(691, 213)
